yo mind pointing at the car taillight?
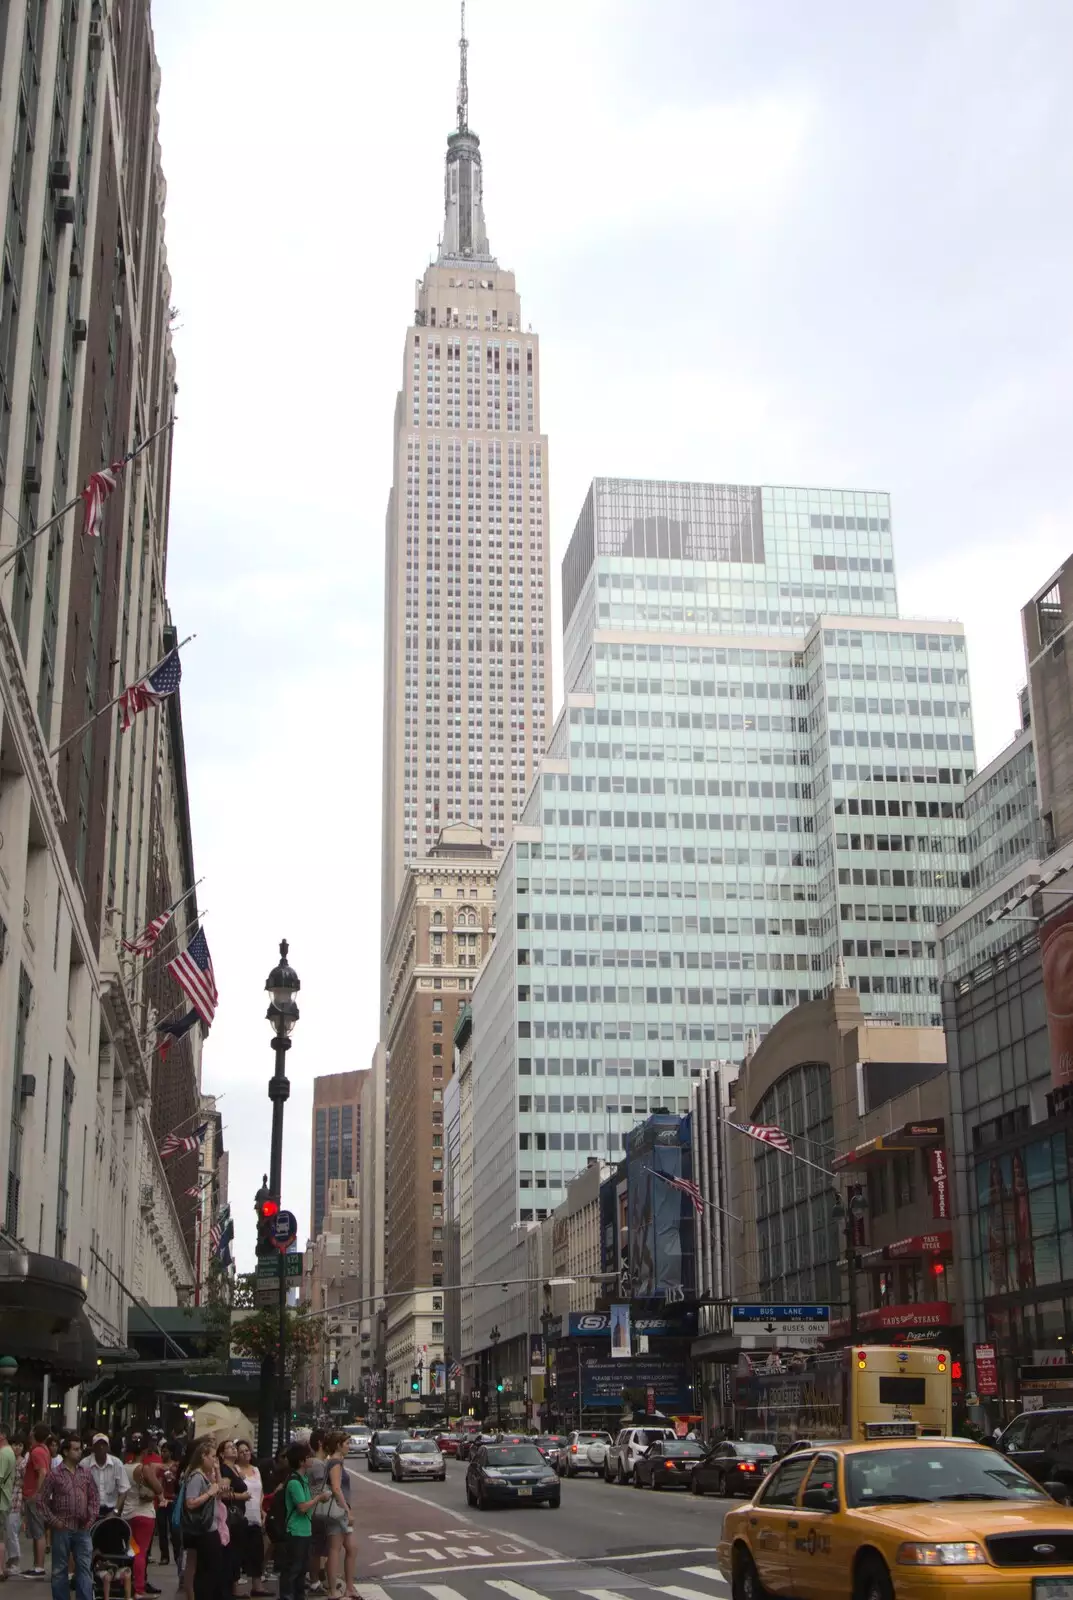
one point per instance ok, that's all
(746, 1466)
(574, 1448)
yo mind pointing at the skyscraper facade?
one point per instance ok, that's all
(336, 1152)
(467, 669)
(757, 777)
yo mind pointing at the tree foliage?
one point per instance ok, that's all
(258, 1336)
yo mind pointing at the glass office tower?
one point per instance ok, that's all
(757, 775)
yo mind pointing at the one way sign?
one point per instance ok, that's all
(799, 1322)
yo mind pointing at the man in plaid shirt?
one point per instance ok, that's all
(69, 1505)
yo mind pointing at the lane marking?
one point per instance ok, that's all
(454, 1516)
(480, 1566)
(373, 1591)
(681, 1593)
(518, 1591)
(442, 1591)
(647, 1555)
(603, 1594)
(705, 1572)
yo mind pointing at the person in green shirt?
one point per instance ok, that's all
(299, 1501)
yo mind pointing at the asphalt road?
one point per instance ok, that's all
(603, 1543)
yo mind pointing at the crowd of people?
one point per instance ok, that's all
(224, 1519)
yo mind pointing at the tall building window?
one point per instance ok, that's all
(65, 1141)
(320, 1167)
(14, 1159)
(333, 1141)
(348, 1142)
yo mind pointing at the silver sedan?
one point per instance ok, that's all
(418, 1458)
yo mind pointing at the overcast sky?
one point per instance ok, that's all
(817, 242)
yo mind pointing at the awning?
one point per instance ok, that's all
(918, 1244)
(42, 1321)
(910, 1136)
(922, 1314)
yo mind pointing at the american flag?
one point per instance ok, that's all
(174, 1030)
(150, 690)
(686, 1186)
(456, 1370)
(143, 944)
(194, 1191)
(766, 1133)
(173, 1143)
(94, 495)
(193, 973)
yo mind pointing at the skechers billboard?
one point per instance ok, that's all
(660, 1216)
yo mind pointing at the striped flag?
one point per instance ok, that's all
(96, 492)
(143, 944)
(685, 1186)
(194, 1191)
(173, 1143)
(456, 1370)
(152, 689)
(192, 971)
(171, 1031)
(766, 1133)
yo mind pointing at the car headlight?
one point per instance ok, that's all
(549, 1481)
(962, 1554)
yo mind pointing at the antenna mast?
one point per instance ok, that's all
(463, 83)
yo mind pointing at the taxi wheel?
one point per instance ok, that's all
(873, 1582)
(746, 1584)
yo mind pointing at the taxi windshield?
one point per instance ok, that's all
(910, 1477)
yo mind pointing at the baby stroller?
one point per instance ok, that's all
(110, 1539)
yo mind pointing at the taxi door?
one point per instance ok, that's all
(821, 1560)
(772, 1520)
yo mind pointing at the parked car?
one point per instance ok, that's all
(358, 1442)
(668, 1464)
(509, 1473)
(733, 1467)
(417, 1458)
(806, 1444)
(448, 1443)
(585, 1450)
(1041, 1442)
(627, 1448)
(466, 1442)
(382, 1448)
(551, 1446)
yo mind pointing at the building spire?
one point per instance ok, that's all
(463, 82)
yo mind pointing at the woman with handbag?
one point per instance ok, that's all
(342, 1540)
(253, 1539)
(234, 1492)
(203, 1567)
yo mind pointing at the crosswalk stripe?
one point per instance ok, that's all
(373, 1591)
(705, 1572)
(679, 1592)
(517, 1591)
(439, 1591)
(603, 1594)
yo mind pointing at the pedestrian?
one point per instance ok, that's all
(253, 1559)
(108, 1473)
(139, 1513)
(318, 1480)
(38, 1467)
(235, 1494)
(12, 1552)
(69, 1505)
(7, 1484)
(274, 1474)
(342, 1539)
(165, 1501)
(203, 1565)
(298, 1501)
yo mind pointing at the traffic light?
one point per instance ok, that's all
(267, 1211)
(499, 1385)
(335, 1377)
(415, 1383)
(956, 1371)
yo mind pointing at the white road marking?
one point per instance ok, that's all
(517, 1591)
(373, 1591)
(603, 1594)
(442, 1591)
(705, 1572)
(646, 1555)
(681, 1593)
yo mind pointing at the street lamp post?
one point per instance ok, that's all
(495, 1337)
(281, 985)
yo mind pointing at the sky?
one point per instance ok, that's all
(808, 242)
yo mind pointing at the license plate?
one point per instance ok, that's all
(1056, 1597)
(1052, 1588)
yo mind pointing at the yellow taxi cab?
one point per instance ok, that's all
(912, 1519)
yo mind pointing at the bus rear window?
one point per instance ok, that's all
(902, 1391)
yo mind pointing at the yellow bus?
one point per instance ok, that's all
(864, 1392)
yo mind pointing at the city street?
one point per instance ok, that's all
(421, 1539)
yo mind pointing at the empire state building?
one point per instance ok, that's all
(467, 679)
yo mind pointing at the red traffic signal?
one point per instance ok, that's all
(269, 1207)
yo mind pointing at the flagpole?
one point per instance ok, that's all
(23, 544)
(148, 1040)
(133, 955)
(117, 698)
(703, 1199)
(165, 949)
(791, 1153)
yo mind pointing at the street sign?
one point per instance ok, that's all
(284, 1229)
(268, 1268)
(798, 1322)
(265, 1293)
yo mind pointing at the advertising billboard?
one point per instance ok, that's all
(603, 1381)
(1056, 948)
(660, 1217)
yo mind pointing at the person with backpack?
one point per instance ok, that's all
(203, 1564)
(291, 1529)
